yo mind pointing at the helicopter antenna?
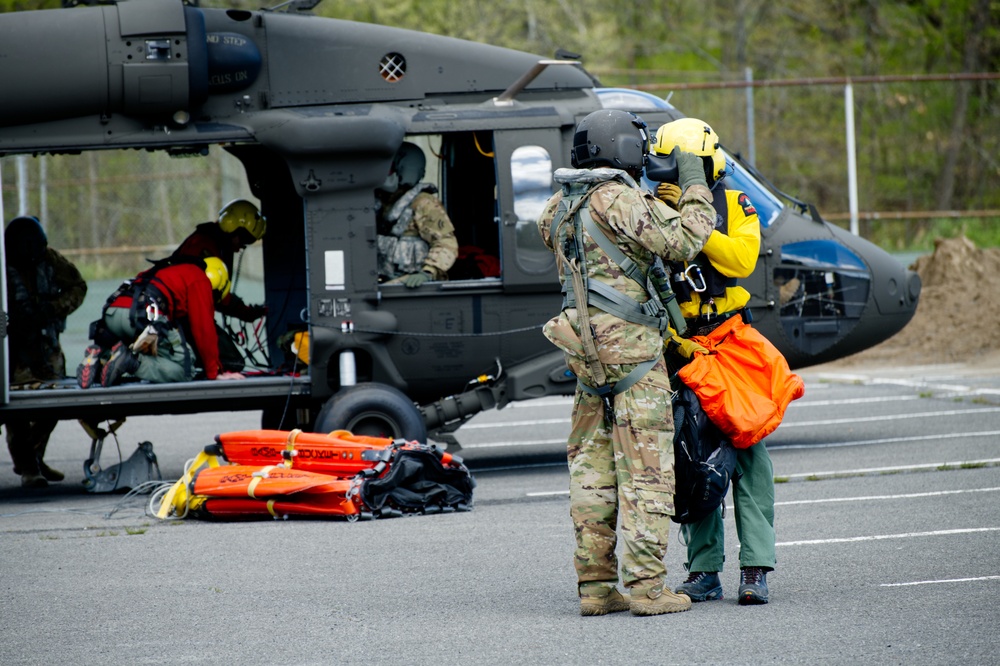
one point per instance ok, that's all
(506, 98)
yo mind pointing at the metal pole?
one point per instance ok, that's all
(751, 139)
(852, 167)
(22, 185)
(43, 191)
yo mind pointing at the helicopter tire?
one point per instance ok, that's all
(373, 409)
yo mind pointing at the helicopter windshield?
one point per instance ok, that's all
(768, 206)
(823, 287)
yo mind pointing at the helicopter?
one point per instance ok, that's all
(315, 109)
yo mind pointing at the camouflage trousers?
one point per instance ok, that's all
(624, 472)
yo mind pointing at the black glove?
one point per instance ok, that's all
(255, 312)
(690, 170)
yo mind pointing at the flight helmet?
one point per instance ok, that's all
(612, 138)
(218, 275)
(25, 241)
(693, 136)
(409, 164)
(241, 214)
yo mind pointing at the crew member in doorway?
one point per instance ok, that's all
(416, 239)
(43, 288)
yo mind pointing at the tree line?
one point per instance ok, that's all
(921, 146)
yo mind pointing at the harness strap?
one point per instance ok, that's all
(576, 269)
(622, 385)
(586, 292)
(612, 301)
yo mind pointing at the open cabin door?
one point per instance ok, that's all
(525, 162)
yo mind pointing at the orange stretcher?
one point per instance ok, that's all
(339, 453)
(292, 473)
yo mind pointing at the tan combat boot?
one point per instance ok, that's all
(614, 602)
(658, 601)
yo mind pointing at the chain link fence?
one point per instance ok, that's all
(108, 211)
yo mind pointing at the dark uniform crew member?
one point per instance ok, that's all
(606, 233)
(43, 288)
(730, 253)
(416, 239)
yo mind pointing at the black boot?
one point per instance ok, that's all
(753, 586)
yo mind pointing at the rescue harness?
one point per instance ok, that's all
(660, 311)
(150, 305)
(699, 275)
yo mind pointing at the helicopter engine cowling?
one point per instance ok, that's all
(139, 58)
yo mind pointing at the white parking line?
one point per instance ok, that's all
(515, 424)
(890, 417)
(895, 468)
(939, 582)
(880, 537)
(785, 425)
(871, 498)
(828, 500)
(531, 442)
(909, 383)
(885, 440)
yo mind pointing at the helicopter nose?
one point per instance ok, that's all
(913, 285)
(896, 288)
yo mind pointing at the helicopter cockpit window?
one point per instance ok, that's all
(459, 172)
(768, 206)
(823, 287)
(531, 169)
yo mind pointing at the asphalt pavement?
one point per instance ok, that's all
(887, 519)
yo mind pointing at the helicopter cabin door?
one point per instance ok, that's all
(525, 162)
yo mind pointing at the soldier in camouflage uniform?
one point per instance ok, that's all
(43, 287)
(620, 449)
(416, 240)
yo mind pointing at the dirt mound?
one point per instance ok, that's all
(958, 316)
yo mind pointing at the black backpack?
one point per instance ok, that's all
(704, 460)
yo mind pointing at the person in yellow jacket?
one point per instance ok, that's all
(709, 293)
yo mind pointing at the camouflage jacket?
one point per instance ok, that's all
(415, 234)
(644, 227)
(39, 301)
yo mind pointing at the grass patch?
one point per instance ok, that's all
(813, 477)
(926, 394)
(135, 530)
(781, 479)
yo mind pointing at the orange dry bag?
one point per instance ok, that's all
(744, 384)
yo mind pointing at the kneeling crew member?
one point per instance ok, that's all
(178, 302)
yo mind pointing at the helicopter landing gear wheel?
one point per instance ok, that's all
(373, 409)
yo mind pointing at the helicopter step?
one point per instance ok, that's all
(131, 473)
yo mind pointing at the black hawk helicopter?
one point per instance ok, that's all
(315, 109)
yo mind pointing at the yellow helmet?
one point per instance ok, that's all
(218, 275)
(240, 213)
(692, 136)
